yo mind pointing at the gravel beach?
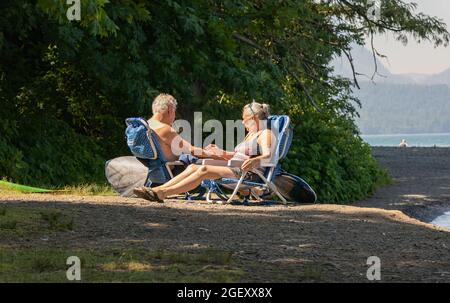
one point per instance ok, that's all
(421, 177)
(303, 243)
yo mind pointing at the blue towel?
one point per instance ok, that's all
(187, 159)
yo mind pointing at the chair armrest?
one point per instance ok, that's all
(229, 163)
(226, 163)
(174, 163)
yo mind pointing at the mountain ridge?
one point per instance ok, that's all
(397, 103)
(364, 63)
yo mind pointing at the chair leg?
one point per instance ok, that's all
(272, 187)
(258, 198)
(208, 197)
(241, 179)
(169, 171)
(222, 196)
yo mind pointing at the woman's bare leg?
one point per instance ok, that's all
(183, 175)
(193, 180)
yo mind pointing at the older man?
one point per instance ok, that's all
(172, 145)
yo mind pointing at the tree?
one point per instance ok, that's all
(214, 56)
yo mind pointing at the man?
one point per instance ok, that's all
(403, 143)
(172, 145)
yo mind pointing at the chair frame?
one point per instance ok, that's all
(267, 180)
(156, 151)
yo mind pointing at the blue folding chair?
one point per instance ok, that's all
(283, 131)
(143, 144)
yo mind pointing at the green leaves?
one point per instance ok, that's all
(93, 15)
(213, 55)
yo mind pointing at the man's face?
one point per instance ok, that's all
(171, 114)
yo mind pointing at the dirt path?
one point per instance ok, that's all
(273, 243)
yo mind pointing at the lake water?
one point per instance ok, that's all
(419, 140)
(443, 221)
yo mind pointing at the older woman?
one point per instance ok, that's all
(255, 148)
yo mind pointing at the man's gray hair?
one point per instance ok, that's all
(162, 102)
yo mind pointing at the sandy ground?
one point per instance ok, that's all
(283, 244)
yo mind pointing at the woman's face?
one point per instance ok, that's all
(250, 122)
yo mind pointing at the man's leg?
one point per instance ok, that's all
(193, 180)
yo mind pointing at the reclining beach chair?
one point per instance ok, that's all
(283, 131)
(147, 167)
(144, 145)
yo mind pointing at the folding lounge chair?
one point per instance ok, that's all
(283, 131)
(144, 145)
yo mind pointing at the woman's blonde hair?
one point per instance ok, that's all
(261, 111)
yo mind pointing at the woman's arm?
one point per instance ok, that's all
(265, 141)
(178, 145)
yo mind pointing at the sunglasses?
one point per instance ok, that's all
(251, 109)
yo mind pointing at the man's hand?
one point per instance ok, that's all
(213, 149)
(211, 146)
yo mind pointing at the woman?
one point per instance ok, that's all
(255, 148)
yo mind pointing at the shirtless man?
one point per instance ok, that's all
(164, 107)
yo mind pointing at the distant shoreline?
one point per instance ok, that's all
(412, 134)
(413, 140)
(410, 147)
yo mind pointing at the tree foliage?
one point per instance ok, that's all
(83, 78)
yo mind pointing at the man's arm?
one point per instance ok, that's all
(221, 153)
(180, 146)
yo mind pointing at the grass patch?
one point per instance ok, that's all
(22, 221)
(43, 263)
(81, 189)
(114, 265)
(9, 224)
(87, 190)
(57, 220)
(313, 272)
(5, 190)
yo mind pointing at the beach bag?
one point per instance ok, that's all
(294, 188)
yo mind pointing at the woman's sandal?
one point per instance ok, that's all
(146, 193)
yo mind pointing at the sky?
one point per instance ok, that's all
(420, 58)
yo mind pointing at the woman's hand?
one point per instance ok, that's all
(250, 164)
(213, 150)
